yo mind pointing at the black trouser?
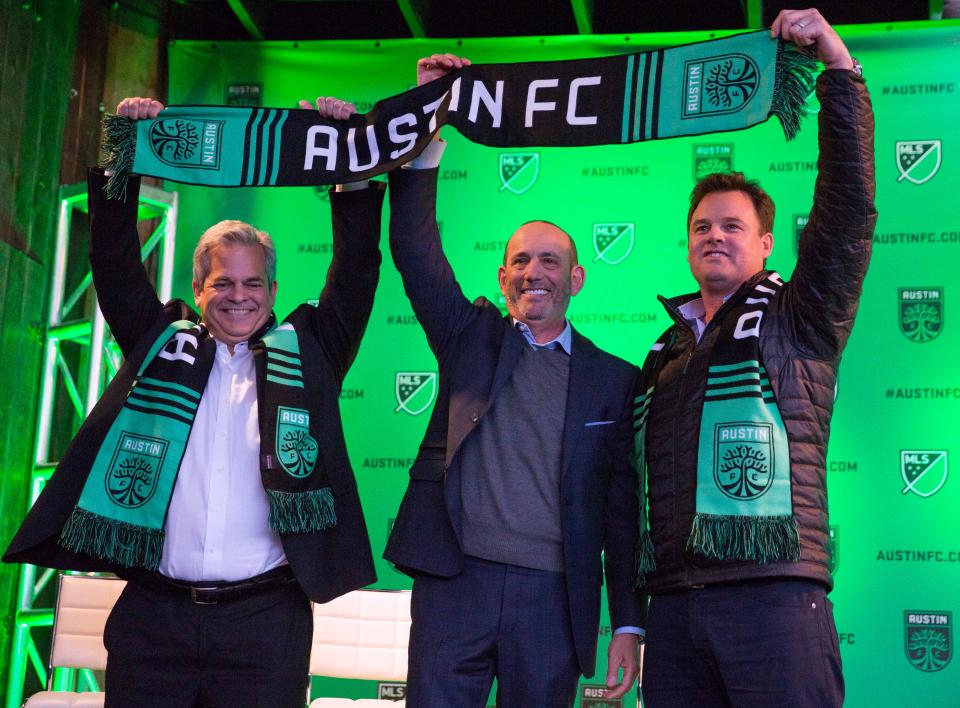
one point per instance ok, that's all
(164, 650)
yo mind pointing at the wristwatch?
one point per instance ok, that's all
(857, 68)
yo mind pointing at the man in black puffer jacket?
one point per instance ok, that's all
(733, 422)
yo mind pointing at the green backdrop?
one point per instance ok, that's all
(892, 502)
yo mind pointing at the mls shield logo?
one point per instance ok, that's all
(723, 84)
(132, 476)
(415, 391)
(708, 159)
(187, 143)
(799, 224)
(612, 242)
(744, 459)
(921, 313)
(928, 639)
(518, 171)
(296, 448)
(918, 160)
(924, 472)
(391, 691)
(833, 562)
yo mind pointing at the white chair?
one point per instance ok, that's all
(361, 635)
(83, 604)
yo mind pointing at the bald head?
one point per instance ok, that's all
(548, 226)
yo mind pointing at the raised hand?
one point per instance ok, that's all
(437, 65)
(807, 28)
(137, 108)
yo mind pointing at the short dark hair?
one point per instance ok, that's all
(570, 241)
(734, 182)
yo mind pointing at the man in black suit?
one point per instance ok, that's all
(522, 488)
(221, 616)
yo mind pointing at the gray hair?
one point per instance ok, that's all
(232, 231)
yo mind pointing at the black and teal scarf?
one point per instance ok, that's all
(121, 511)
(706, 87)
(744, 507)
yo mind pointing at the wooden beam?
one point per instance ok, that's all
(583, 14)
(417, 15)
(753, 9)
(249, 17)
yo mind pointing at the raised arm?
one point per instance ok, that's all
(127, 299)
(428, 280)
(835, 246)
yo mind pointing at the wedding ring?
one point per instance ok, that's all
(800, 25)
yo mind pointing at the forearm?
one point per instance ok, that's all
(127, 299)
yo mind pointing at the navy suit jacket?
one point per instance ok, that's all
(476, 350)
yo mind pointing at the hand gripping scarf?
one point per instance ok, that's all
(744, 507)
(706, 87)
(123, 505)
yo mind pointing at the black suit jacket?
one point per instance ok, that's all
(327, 563)
(476, 349)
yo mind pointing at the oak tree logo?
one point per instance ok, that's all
(924, 472)
(928, 639)
(415, 391)
(132, 476)
(612, 242)
(723, 84)
(180, 142)
(518, 171)
(921, 313)
(708, 159)
(296, 448)
(918, 160)
(744, 459)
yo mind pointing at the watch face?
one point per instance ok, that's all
(857, 67)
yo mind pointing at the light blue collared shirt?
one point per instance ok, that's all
(564, 340)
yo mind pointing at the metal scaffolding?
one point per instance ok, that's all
(83, 383)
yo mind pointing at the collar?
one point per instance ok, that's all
(564, 340)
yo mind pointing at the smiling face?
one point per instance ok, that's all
(538, 278)
(725, 246)
(235, 298)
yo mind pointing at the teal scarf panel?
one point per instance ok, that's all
(724, 84)
(744, 494)
(124, 501)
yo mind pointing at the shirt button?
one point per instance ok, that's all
(475, 417)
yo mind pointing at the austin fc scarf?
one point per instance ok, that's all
(123, 505)
(744, 507)
(724, 84)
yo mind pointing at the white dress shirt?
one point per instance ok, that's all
(217, 523)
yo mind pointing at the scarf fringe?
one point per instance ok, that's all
(645, 560)
(792, 84)
(116, 541)
(302, 512)
(760, 538)
(119, 146)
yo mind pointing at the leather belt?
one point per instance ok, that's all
(217, 592)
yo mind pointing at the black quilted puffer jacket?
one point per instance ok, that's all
(801, 338)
